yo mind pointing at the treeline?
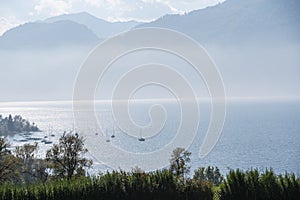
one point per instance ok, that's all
(63, 160)
(254, 185)
(161, 184)
(112, 185)
(12, 125)
(62, 175)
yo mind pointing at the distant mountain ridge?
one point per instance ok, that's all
(36, 35)
(237, 21)
(80, 29)
(230, 22)
(53, 50)
(102, 28)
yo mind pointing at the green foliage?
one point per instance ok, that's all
(31, 169)
(8, 163)
(254, 185)
(179, 163)
(24, 177)
(66, 158)
(196, 189)
(209, 174)
(111, 185)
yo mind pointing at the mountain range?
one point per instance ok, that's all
(81, 29)
(255, 45)
(233, 21)
(236, 21)
(47, 35)
(102, 28)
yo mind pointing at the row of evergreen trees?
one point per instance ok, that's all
(111, 185)
(161, 184)
(254, 185)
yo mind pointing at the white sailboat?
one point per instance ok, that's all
(106, 135)
(113, 133)
(45, 141)
(141, 139)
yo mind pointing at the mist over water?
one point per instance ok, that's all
(247, 71)
(258, 134)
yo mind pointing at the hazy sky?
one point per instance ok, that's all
(15, 12)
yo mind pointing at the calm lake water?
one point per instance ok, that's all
(257, 134)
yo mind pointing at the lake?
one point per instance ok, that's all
(257, 133)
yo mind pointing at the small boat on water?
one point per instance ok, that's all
(46, 141)
(34, 138)
(113, 133)
(141, 139)
(23, 140)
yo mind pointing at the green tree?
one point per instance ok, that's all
(179, 163)
(209, 174)
(66, 158)
(31, 168)
(8, 163)
(26, 152)
(10, 123)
